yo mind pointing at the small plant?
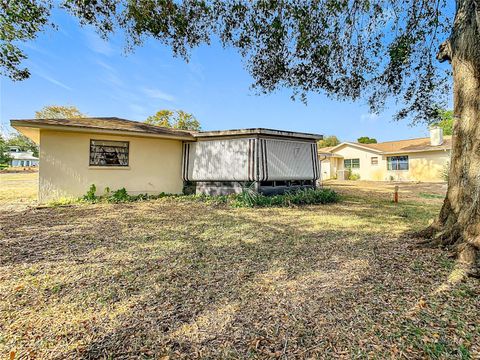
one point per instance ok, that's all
(120, 195)
(117, 196)
(347, 174)
(249, 196)
(445, 171)
(90, 195)
(353, 176)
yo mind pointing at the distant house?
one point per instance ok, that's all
(142, 158)
(423, 159)
(22, 158)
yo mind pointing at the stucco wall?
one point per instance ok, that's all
(367, 171)
(328, 167)
(423, 166)
(154, 166)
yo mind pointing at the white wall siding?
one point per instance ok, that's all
(217, 160)
(249, 159)
(291, 160)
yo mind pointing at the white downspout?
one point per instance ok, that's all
(321, 175)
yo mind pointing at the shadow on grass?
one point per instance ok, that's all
(188, 280)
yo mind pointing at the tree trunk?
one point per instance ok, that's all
(458, 224)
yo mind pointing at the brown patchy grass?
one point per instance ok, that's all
(179, 279)
(408, 191)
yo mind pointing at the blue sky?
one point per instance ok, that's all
(73, 66)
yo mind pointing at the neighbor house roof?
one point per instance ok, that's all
(326, 149)
(399, 146)
(102, 124)
(23, 155)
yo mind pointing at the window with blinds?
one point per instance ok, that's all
(351, 163)
(397, 163)
(109, 153)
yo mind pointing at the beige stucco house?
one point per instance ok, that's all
(118, 153)
(422, 159)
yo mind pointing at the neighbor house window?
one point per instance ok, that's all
(374, 160)
(108, 153)
(351, 163)
(397, 163)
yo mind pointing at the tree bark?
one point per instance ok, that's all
(458, 224)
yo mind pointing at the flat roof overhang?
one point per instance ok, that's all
(257, 131)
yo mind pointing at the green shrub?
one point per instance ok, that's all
(247, 198)
(120, 195)
(291, 198)
(90, 195)
(353, 176)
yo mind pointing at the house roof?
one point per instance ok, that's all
(257, 131)
(326, 149)
(103, 124)
(420, 144)
(117, 125)
(23, 155)
(399, 146)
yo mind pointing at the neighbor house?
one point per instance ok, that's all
(423, 159)
(142, 158)
(21, 158)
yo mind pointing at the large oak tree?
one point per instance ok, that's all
(347, 49)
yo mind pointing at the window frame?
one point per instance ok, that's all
(394, 163)
(90, 164)
(372, 161)
(351, 163)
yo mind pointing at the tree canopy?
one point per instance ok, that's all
(4, 157)
(345, 49)
(59, 112)
(366, 140)
(177, 119)
(47, 112)
(328, 141)
(445, 121)
(23, 143)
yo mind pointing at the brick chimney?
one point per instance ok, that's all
(436, 135)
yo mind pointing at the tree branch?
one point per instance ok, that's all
(445, 50)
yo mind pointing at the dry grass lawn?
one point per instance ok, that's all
(182, 279)
(18, 189)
